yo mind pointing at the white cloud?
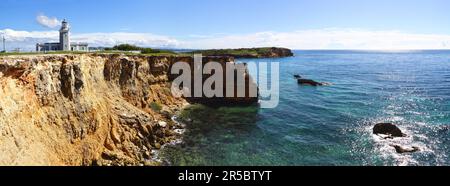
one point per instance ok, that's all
(306, 39)
(27, 40)
(140, 39)
(48, 22)
(333, 38)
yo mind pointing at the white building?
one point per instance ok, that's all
(64, 42)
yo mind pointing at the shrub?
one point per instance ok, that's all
(148, 51)
(143, 50)
(155, 106)
(126, 47)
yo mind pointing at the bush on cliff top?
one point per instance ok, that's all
(126, 47)
(143, 50)
(155, 106)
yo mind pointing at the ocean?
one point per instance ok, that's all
(331, 125)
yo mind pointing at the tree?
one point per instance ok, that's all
(126, 47)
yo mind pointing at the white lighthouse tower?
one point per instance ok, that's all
(64, 42)
(64, 38)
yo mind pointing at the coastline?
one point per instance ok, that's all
(27, 82)
(120, 106)
(180, 130)
(333, 125)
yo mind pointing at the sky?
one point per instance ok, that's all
(296, 24)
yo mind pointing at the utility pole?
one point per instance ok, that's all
(4, 43)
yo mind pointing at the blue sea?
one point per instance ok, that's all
(331, 125)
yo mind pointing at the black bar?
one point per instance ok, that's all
(171, 175)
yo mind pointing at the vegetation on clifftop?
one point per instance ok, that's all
(127, 49)
(143, 50)
(265, 52)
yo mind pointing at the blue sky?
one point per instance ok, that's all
(200, 23)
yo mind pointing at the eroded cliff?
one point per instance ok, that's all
(89, 109)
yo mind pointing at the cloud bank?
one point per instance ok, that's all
(27, 40)
(47, 21)
(334, 38)
(140, 39)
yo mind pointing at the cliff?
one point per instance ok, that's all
(87, 109)
(268, 52)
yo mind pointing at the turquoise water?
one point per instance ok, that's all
(332, 125)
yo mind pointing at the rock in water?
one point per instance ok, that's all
(296, 76)
(401, 149)
(388, 129)
(309, 82)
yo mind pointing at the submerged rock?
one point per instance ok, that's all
(444, 128)
(385, 136)
(399, 149)
(309, 82)
(388, 129)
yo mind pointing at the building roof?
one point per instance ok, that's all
(79, 44)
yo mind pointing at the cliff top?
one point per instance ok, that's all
(263, 52)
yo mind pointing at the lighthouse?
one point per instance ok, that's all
(64, 38)
(64, 42)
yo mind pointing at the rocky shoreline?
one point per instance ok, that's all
(89, 109)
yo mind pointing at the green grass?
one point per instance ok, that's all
(143, 50)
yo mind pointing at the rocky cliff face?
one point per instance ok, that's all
(277, 52)
(85, 109)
